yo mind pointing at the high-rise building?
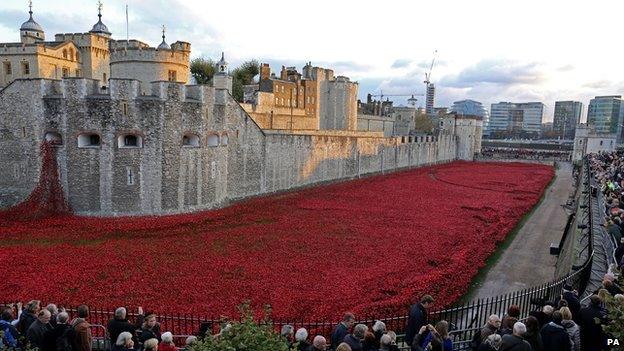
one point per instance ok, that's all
(567, 116)
(516, 118)
(472, 108)
(605, 115)
(430, 99)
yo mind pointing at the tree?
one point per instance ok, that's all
(614, 327)
(203, 69)
(243, 75)
(246, 335)
(423, 124)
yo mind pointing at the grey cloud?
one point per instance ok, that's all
(499, 72)
(566, 68)
(599, 84)
(426, 64)
(401, 63)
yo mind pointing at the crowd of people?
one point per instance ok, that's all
(561, 325)
(608, 168)
(50, 329)
(524, 154)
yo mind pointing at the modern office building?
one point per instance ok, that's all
(567, 116)
(473, 108)
(515, 119)
(605, 115)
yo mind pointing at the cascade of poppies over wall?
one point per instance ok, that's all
(372, 246)
(47, 198)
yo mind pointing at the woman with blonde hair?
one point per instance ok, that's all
(573, 330)
(343, 347)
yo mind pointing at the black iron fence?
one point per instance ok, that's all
(464, 319)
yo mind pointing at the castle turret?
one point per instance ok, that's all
(100, 28)
(222, 79)
(137, 60)
(30, 31)
(164, 45)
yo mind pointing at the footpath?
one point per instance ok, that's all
(527, 261)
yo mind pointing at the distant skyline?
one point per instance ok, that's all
(489, 51)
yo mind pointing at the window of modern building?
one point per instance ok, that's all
(129, 141)
(87, 140)
(25, 68)
(213, 140)
(54, 138)
(190, 140)
(7, 68)
(172, 76)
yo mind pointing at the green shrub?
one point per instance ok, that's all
(245, 335)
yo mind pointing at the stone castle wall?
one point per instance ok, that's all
(231, 159)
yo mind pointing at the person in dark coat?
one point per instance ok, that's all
(355, 340)
(515, 341)
(532, 334)
(28, 316)
(417, 318)
(544, 316)
(150, 329)
(39, 329)
(571, 297)
(554, 335)
(342, 329)
(492, 343)
(120, 323)
(61, 327)
(592, 337)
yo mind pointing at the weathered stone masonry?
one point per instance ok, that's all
(196, 148)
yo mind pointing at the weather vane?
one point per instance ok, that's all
(30, 5)
(100, 6)
(163, 30)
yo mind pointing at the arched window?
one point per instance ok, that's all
(54, 138)
(71, 54)
(128, 141)
(64, 53)
(224, 139)
(77, 56)
(213, 140)
(190, 140)
(88, 140)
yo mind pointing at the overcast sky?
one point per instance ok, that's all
(490, 51)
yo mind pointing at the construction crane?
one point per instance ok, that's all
(430, 88)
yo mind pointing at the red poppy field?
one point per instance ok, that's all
(371, 246)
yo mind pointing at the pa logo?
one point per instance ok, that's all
(613, 342)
